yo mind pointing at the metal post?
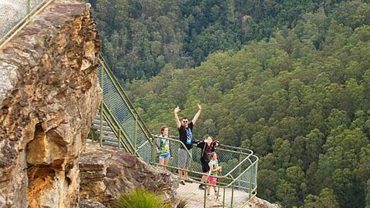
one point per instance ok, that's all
(153, 153)
(28, 8)
(240, 166)
(205, 197)
(101, 124)
(119, 139)
(232, 196)
(223, 198)
(255, 175)
(101, 106)
(135, 131)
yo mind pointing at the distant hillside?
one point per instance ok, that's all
(141, 36)
(300, 100)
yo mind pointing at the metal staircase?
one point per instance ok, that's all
(117, 124)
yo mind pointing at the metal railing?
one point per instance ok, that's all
(239, 165)
(117, 103)
(21, 16)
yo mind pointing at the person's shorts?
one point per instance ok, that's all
(205, 166)
(212, 179)
(164, 156)
(183, 159)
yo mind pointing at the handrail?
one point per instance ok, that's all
(245, 155)
(124, 96)
(23, 22)
(239, 164)
(228, 180)
(112, 124)
(176, 141)
(115, 124)
(234, 178)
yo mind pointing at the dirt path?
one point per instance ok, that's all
(195, 197)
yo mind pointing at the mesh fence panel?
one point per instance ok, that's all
(174, 151)
(145, 151)
(12, 12)
(239, 166)
(124, 115)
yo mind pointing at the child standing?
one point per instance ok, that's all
(214, 170)
(164, 147)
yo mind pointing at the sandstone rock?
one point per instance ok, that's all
(13, 11)
(260, 203)
(85, 203)
(107, 172)
(48, 98)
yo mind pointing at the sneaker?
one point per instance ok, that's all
(182, 182)
(189, 180)
(202, 187)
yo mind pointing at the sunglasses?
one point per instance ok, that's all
(185, 121)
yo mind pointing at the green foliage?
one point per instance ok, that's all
(325, 199)
(140, 37)
(295, 88)
(182, 203)
(140, 198)
(300, 100)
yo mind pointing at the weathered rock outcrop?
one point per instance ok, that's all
(106, 173)
(48, 98)
(260, 203)
(13, 11)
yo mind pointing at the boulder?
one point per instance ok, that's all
(49, 95)
(108, 172)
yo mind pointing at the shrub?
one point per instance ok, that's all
(140, 198)
(182, 203)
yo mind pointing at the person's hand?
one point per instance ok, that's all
(199, 107)
(177, 109)
(220, 169)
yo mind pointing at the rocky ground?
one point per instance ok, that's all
(108, 172)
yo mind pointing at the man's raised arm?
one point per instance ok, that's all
(196, 116)
(178, 123)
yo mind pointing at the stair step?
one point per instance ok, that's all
(97, 119)
(109, 138)
(106, 133)
(97, 126)
(112, 144)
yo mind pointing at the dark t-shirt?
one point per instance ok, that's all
(206, 150)
(186, 135)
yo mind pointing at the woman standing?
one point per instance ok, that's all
(164, 147)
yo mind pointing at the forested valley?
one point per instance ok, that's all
(288, 79)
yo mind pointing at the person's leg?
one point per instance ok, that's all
(215, 185)
(205, 170)
(180, 162)
(186, 158)
(188, 162)
(209, 185)
(165, 161)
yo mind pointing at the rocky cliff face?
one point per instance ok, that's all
(48, 98)
(106, 173)
(13, 11)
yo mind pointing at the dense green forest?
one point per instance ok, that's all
(295, 88)
(141, 36)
